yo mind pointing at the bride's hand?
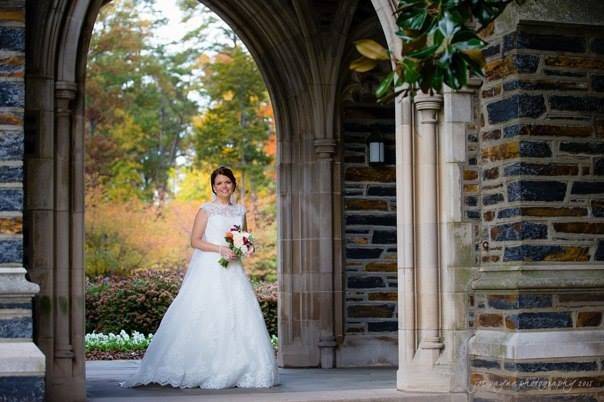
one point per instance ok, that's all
(227, 253)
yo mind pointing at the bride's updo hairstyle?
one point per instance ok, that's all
(225, 171)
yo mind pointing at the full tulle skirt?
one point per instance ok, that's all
(213, 334)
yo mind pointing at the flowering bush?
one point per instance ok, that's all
(135, 303)
(121, 342)
(138, 302)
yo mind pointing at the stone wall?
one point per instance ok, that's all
(369, 205)
(542, 148)
(22, 366)
(540, 300)
(370, 219)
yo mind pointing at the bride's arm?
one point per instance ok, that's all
(199, 228)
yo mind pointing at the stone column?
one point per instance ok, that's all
(325, 149)
(65, 92)
(404, 235)
(426, 227)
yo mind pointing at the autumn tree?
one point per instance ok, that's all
(138, 107)
(234, 130)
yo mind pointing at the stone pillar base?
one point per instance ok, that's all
(523, 366)
(23, 365)
(422, 378)
(21, 371)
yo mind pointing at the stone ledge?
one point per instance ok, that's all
(540, 12)
(21, 359)
(537, 344)
(513, 277)
(13, 282)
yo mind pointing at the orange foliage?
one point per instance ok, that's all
(163, 239)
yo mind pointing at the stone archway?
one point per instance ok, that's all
(439, 220)
(300, 69)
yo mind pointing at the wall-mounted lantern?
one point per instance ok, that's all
(375, 148)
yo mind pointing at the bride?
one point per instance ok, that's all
(213, 334)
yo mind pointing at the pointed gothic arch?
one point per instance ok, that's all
(301, 80)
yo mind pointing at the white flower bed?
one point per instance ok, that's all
(121, 342)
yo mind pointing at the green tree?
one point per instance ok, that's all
(138, 106)
(234, 129)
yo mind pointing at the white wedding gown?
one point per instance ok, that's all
(213, 334)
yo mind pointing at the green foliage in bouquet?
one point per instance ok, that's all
(440, 45)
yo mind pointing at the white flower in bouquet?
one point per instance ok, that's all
(238, 239)
(240, 242)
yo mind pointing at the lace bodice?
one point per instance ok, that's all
(220, 219)
(214, 208)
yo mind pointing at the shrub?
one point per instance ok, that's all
(267, 298)
(135, 303)
(138, 302)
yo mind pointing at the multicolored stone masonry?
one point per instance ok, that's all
(542, 148)
(15, 319)
(369, 198)
(542, 197)
(12, 98)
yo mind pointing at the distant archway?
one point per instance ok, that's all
(301, 76)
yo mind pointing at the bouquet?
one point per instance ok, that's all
(240, 242)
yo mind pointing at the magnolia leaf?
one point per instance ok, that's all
(362, 64)
(418, 20)
(371, 49)
(417, 44)
(475, 55)
(411, 71)
(385, 85)
(448, 26)
(424, 52)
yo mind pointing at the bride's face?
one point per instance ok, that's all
(223, 186)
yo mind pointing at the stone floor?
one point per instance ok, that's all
(297, 385)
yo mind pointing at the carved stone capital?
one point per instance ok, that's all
(428, 102)
(65, 90)
(325, 147)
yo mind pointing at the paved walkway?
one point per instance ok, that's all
(297, 385)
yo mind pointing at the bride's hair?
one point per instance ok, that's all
(225, 171)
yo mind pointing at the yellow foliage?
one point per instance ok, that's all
(223, 58)
(371, 49)
(161, 239)
(228, 95)
(147, 238)
(363, 64)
